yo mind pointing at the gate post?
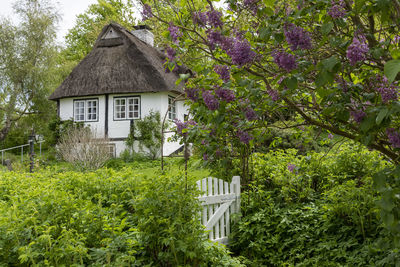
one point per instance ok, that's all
(31, 151)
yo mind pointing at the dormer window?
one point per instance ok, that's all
(86, 110)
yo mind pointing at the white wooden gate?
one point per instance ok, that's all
(219, 201)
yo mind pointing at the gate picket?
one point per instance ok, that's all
(219, 200)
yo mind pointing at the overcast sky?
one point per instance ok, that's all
(68, 10)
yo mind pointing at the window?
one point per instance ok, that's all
(171, 108)
(86, 110)
(126, 108)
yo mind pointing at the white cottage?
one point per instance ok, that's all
(121, 79)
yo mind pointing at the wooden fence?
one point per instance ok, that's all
(219, 201)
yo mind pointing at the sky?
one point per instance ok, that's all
(68, 10)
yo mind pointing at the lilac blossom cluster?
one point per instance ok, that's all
(358, 115)
(357, 50)
(284, 60)
(237, 48)
(251, 5)
(240, 52)
(146, 12)
(212, 18)
(297, 37)
(387, 91)
(174, 32)
(171, 53)
(223, 71)
(210, 100)
(250, 114)
(338, 9)
(225, 94)
(244, 137)
(192, 94)
(274, 94)
(181, 126)
(292, 167)
(394, 137)
(200, 18)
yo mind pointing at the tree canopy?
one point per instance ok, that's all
(335, 64)
(27, 53)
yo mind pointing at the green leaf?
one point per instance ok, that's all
(395, 53)
(382, 114)
(330, 63)
(323, 78)
(367, 124)
(392, 67)
(326, 28)
(264, 33)
(291, 83)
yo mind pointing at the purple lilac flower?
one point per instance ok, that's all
(192, 93)
(171, 53)
(214, 37)
(180, 126)
(205, 157)
(387, 91)
(244, 137)
(343, 83)
(226, 43)
(214, 18)
(223, 71)
(358, 115)
(297, 37)
(396, 39)
(218, 153)
(174, 32)
(330, 136)
(211, 102)
(250, 114)
(284, 60)
(338, 9)
(300, 4)
(274, 94)
(394, 137)
(251, 5)
(146, 12)
(225, 94)
(291, 167)
(241, 52)
(357, 50)
(200, 18)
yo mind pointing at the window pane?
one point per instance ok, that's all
(79, 110)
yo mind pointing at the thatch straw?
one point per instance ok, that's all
(119, 65)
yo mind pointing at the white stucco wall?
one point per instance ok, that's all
(118, 129)
(67, 113)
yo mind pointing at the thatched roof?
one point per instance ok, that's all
(122, 64)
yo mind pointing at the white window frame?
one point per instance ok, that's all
(83, 110)
(128, 110)
(172, 108)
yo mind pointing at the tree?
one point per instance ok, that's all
(27, 53)
(334, 63)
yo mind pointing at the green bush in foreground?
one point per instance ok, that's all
(322, 213)
(102, 218)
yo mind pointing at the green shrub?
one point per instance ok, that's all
(102, 218)
(322, 214)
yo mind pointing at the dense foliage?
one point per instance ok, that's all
(103, 218)
(314, 210)
(27, 66)
(334, 64)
